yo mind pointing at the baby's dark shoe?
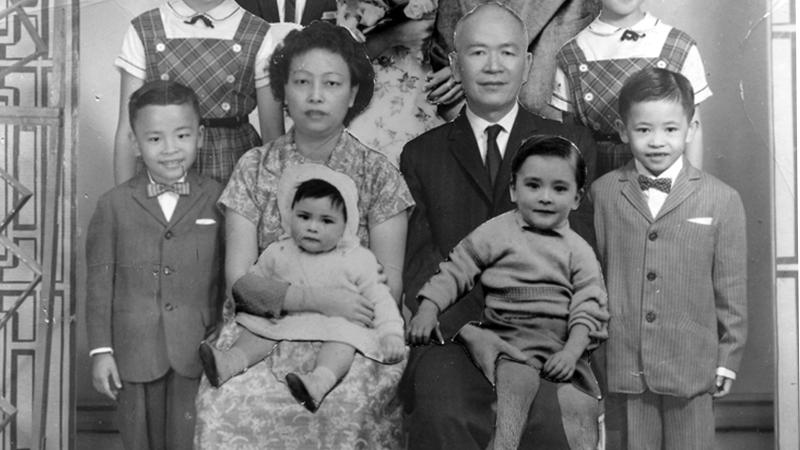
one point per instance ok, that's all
(299, 391)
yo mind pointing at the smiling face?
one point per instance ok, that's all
(317, 225)
(319, 92)
(491, 60)
(657, 132)
(545, 191)
(167, 137)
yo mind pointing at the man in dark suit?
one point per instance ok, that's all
(459, 176)
(290, 10)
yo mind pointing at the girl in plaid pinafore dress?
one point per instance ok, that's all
(589, 88)
(223, 73)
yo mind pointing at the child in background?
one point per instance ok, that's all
(222, 52)
(319, 213)
(544, 293)
(153, 254)
(593, 66)
(674, 253)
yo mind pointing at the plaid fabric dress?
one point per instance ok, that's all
(221, 72)
(596, 85)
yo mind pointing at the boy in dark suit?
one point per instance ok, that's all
(673, 245)
(153, 251)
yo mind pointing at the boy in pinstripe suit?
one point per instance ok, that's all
(672, 242)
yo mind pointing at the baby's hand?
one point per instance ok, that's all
(393, 348)
(560, 366)
(423, 323)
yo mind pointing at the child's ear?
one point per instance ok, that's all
(512, 189)
(694, 124)
(620, 127)
(134, 143)
(201, 134)
(578, 197)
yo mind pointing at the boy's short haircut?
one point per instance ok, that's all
(653, 84)
(316, 188)
(554, 146)
(161, 93)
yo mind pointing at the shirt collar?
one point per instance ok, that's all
(479, 124)
(671, 172)
(601, 28)
(220, 12)
(526, 227)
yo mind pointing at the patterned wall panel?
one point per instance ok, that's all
(26, 153)
(784, 102)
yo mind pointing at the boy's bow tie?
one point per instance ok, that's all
(660, 184)
(206, 21)
(156, 189)
(630, 35)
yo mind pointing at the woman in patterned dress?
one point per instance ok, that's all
(324, 79)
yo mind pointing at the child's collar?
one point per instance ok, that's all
(601, 28)
(223, 11)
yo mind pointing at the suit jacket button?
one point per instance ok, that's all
(651, 276)
(652, 236)
(650, 317)
(169, 307)
(168, 235)
(168, 270)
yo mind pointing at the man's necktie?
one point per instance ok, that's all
(156, 189)
(659, 184)
(288, 11)
(630, 35)
(206, 21)
(493, 157)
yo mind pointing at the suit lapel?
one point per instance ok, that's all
(524, 126)
(314, 10)
(465, 150)
(685, 185)
(150, 204)
(270, 11)
(632, 192)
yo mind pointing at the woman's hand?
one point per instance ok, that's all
(560, 366)
(393, 348)
(484, 347)
(423, 323)
(442, 88)
(335, 301)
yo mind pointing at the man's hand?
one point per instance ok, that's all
(484, 347)
(723, 385)
(105, 376)
(560, 366)
(423, 323)
(393, 348)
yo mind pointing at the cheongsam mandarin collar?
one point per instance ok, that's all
(601, 28)
(221, 12)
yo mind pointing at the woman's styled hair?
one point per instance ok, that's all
(161, 93)
(653, 84)
(555, 146)
(325, 36)
(316, 188)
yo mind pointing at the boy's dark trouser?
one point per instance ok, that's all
(158, 415)
(448, 404)
(670, 423)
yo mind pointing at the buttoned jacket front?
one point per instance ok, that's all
(153, 286)
(676, 283)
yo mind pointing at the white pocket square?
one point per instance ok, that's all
(701, 220)
(205, 221)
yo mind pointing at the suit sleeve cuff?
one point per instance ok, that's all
(100, 351)
(727, 373)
